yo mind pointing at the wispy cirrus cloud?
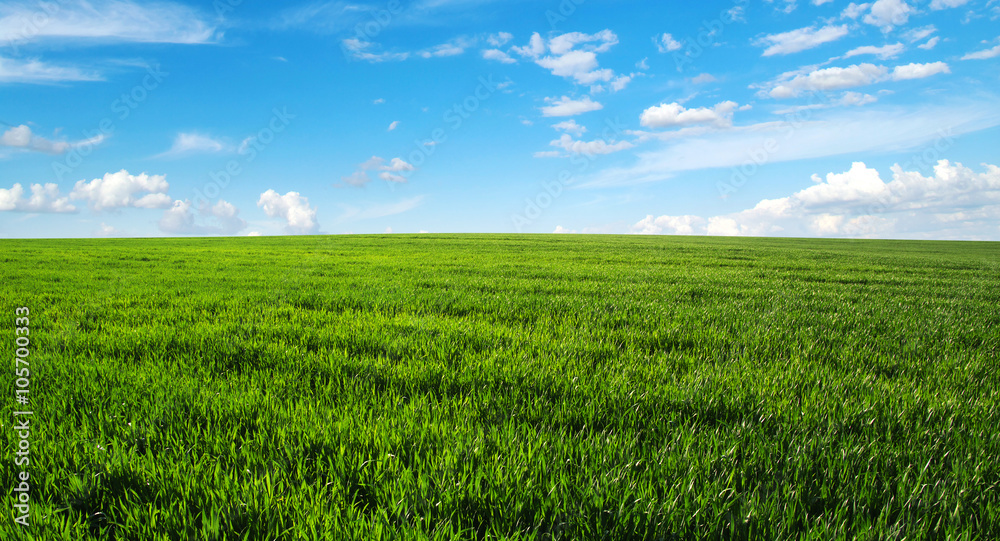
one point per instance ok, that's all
(834, 133)
(102, 21)
(22, 138)
(34, 71)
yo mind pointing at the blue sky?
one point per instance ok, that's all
(805, 118)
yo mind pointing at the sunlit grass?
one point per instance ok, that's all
(507, 387)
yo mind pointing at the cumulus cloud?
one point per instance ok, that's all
(210, 220)
(666, 43)
(22, 138)
(293, 208)
(793, 84)
(853, 10)
(859, 203)
(566, 106)
(119, 190)
(889, 13)
(44, 198)
(919, 71)
(572, 55)
(669, 115)
(668, 225)
(800, 39)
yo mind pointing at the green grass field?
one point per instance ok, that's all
(504, 387)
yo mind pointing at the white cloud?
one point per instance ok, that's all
(920, 33)
(195, 143)
(570, 126)
(792, 84)
(589, 148)
(393, 125)
(499, 39)
(919, 71)
(451, 48)
(670, 225)
(122, 190)
(387, 172)
(22, 138)
(548, 154)
(43, 199)
(619, 83)
(566, 106)
(379, 101)
(362, 50)
(983, 55)
(800, 39)
(37, 72)
(643, 64)
(849, 99)
(219, 219)
(106, 21)
(889, 13)
(703, 78)
(293, 208)
(391, 177)
(884, 52)
(931, 43)
(560, 230)
(953, 201)
(397, 164)
(573, 55)
(945, 4)
(534, 48)
(106, 230)
(674, 114)
(578, 65)
(853, 11)
(666, 43)
(498, 55)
